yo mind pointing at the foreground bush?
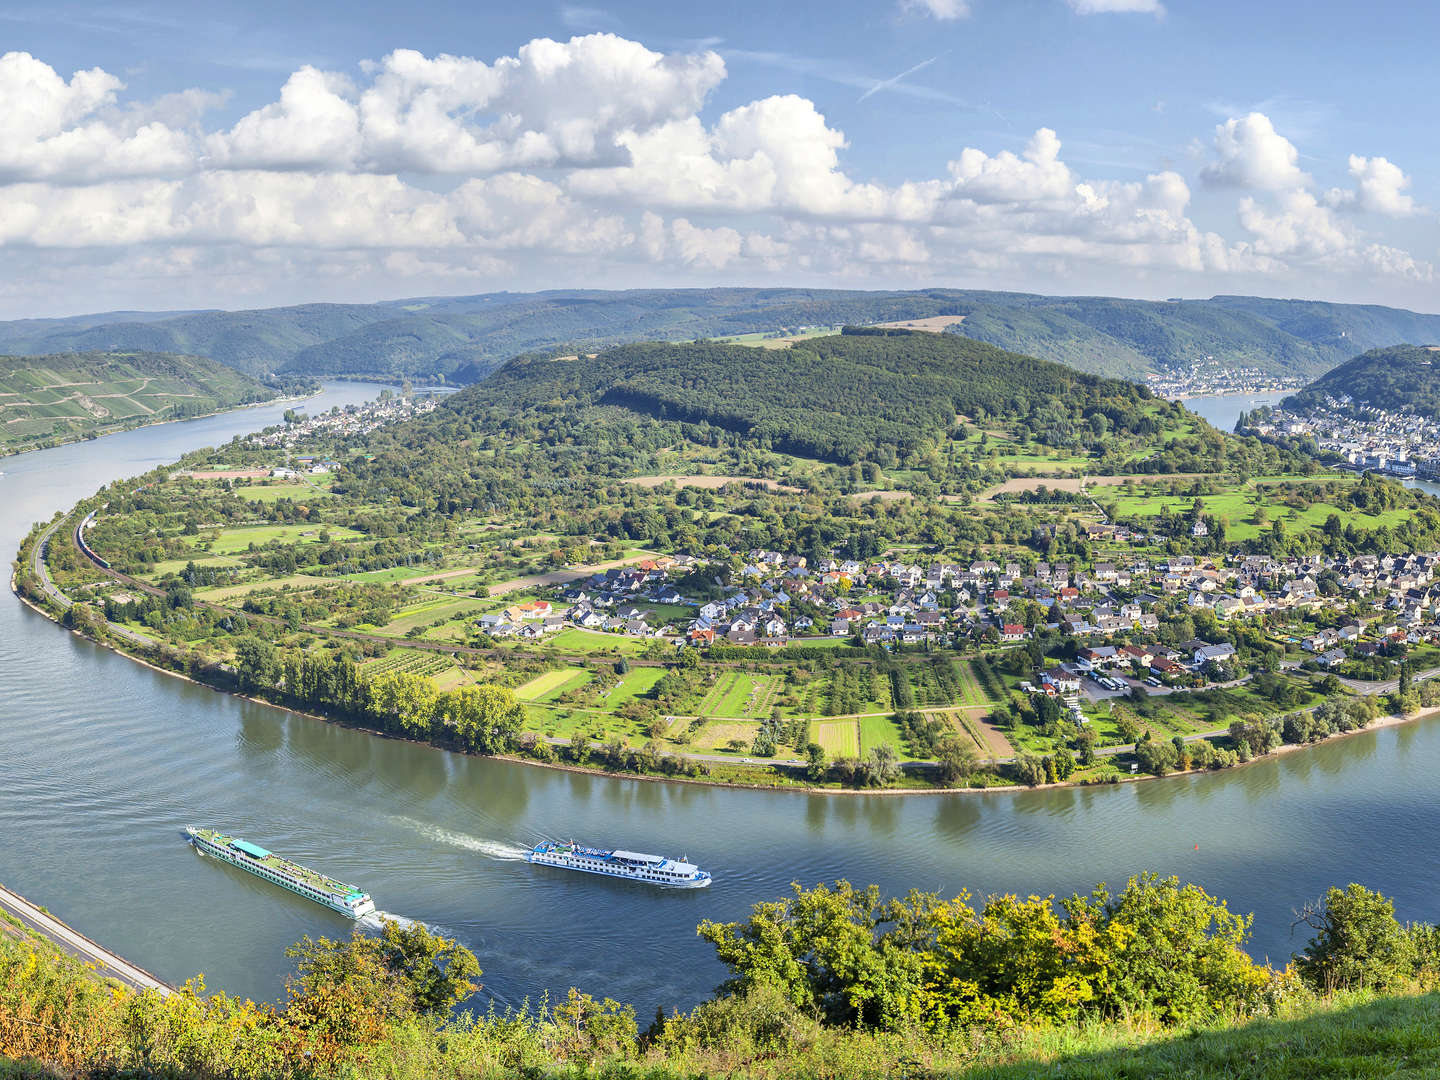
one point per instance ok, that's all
(830, 982)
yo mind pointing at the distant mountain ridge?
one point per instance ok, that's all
(1402, 378)
(463, 338)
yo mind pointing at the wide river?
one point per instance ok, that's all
(102, 761)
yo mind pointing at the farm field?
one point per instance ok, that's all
(384, 577)
(175, 566)
(717, 734)
(974, 725)
(633, 684)
(69, 396)
(230, 541)
(840, 738)
(875, 730)
(664, 613)
(301, 492)
(450, 680)
(226, 593)
(970, 691)
(552, 684)
(428, 611)
(740, 694)
(408, 662)
(1238, 509)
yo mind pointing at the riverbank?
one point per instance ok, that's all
(782, 784)
(121, 429)
(38, 920)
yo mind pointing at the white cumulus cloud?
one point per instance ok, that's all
(70, 130)
(553, 103)
(1379, 188)
(601, 160)
(1250, 153)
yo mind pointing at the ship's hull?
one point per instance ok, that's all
(205, 847)
(617, 872)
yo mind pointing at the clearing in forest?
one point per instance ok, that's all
(933, 324)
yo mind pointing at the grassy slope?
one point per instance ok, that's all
(44, 399)
(1390, 1037)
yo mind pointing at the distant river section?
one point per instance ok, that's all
(1222, 410)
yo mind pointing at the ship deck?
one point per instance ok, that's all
(313, 878)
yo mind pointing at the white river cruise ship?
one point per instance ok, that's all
(632, 865)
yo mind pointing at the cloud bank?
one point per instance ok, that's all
(598, 159)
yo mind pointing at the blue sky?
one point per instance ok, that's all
(167, 155)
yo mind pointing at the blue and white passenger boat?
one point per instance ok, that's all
(631, 865)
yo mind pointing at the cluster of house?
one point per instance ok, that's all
(304, 466)
(894, 602)
(1366, 438)
(528, 621)
(1206, 375)
(606, 601)
(1161, 661)
(348, 421)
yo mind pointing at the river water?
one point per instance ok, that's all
(103, 761)
(1222, 410)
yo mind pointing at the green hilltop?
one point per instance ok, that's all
(862, 395)
(1402, 378)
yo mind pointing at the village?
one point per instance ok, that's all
(1109, 628)
(350, 421)
(1207, 376)
(1366, 438)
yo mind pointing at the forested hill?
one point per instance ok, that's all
(463, 338)
(438, 336)
(839, 398)
(49, 399)
(1403, 378)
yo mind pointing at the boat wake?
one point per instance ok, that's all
(494, 849)
(376, 921)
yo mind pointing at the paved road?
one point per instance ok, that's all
(1390, 685)
(79, 946)
(42, 572)
(47, 583)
